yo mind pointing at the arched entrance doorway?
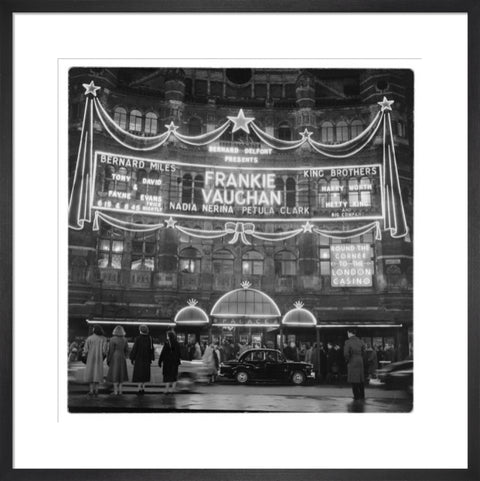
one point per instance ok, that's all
(245, 317)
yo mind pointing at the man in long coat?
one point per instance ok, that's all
(353, 351)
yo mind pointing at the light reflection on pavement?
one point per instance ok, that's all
(220, 398)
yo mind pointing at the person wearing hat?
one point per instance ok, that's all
(353, 351)
(117, 360)
(141, 356)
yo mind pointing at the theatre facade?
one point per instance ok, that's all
(259, 205)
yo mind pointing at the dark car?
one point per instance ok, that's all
(266, 365)
(397, 375)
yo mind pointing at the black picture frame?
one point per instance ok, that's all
(9, 7)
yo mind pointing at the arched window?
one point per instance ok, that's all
(342, 131)
(366, 191)
(357, 128)
(291, 200)
(110, 249)
(353, 191)
(223, 262)
(143, 252)
(135, 121)
(151, 123)
(322, 193)
(190, 261)
(327, 132)
(120, 183)
(120, 117)
(284, 131)
(285, 264)
(198, 185)
(194, 126)
(252, 263)
(187, 187)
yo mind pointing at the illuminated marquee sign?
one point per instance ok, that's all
(245, 322)
(240, 155)
(351, 265)
(126, 184)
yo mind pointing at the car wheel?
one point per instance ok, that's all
(298, 378)
(242, 377)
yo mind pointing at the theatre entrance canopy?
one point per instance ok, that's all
(191, 315)
(245, 307)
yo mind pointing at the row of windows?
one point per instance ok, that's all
(144, 254)
(341, 131)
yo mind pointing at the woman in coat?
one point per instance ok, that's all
(170, 358)
(353, 351)
(95, 349)
(141, 357)
(210, 362)
(117, 360)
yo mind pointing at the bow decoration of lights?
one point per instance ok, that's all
(82, 191)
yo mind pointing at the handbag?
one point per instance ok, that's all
(83, 358)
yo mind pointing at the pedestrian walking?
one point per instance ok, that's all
(197, 352)
(117, 360)
(354, 350)
(94, 351)
(170, 359)
(141, 356)
(210, 361)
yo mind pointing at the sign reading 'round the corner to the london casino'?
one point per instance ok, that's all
(157, 187)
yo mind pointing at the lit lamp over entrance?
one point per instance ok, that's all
(191, 322)
(295, 323)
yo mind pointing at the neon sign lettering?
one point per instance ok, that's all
(148, 186)
(351, 265)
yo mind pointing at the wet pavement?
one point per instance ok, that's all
(235, 398)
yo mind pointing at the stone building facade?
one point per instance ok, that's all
(122, 277)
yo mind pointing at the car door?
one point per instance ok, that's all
(254, 362)
(276, 368)
(258, 363)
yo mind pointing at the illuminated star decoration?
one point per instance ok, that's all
(307, 227)
(171, 223)
(171, 127)
(386, 104)
(91, 88)
(306, 134)
(241, 122)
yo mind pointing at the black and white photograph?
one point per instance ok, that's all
(240, 240)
